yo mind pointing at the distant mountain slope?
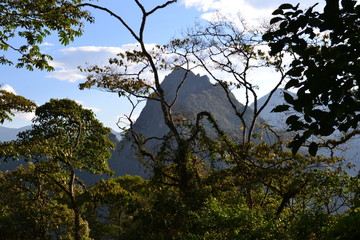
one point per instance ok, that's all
(196, 94)
(350, 151)
(8, 134)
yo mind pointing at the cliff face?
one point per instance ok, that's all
(196, 94)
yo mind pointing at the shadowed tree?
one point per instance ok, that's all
(324, 69)
(64, 138)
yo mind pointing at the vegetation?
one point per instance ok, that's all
(32, 22)
(10, 102)
(202, 186)
(64, 138)
(324, 70)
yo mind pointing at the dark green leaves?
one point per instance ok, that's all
(67, 133)
(292, 83)
(276, 19)
(286, 6)
(288, 98)
(325, 47)
(281, 108)
(313, 148)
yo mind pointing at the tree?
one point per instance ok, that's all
(32, 207)
(113, 204)
(32, 21)
(132, 83)
(258, 191)
(229, 54)
(221, 45)
(64, 138)
(324, 70)
(10, 102)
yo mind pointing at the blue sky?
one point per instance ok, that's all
(105, 38)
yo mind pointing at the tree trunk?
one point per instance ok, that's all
(75, 207)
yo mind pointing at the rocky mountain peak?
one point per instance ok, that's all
(189, 83)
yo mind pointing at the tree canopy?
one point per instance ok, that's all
(64, 139)
(31, 22)
(10, 103)
(202, 186)
(324, 70)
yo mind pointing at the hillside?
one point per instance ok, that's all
(196, 94)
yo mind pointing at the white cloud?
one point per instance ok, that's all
(26, 116)
(87, 49)
(47, 44)
(8, 88)
(69, 59)
(71, 75)
(253, 11)
(67, 62)
(232, 9)
(95, 110)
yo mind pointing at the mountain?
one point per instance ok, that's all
(8, 134)
(350, 150)
(196, 94)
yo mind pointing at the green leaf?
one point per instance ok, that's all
(295, 72)
(278, 12)
(313, 148)
(286, 6)
(295, 145)
(276, 19)
(281, 108)
(292, 120)
(292, 83)
(288, 98)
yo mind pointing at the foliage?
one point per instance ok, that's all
(64, 138)
(324, 70)
(346, 228)
(33, 207)
(10, 102)
(112, 204)
(32, 22)
(202, 187)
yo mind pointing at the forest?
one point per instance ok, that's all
(205, 182)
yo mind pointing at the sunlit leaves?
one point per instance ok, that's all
(10, 103)
(33, 21)
(64, 138)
